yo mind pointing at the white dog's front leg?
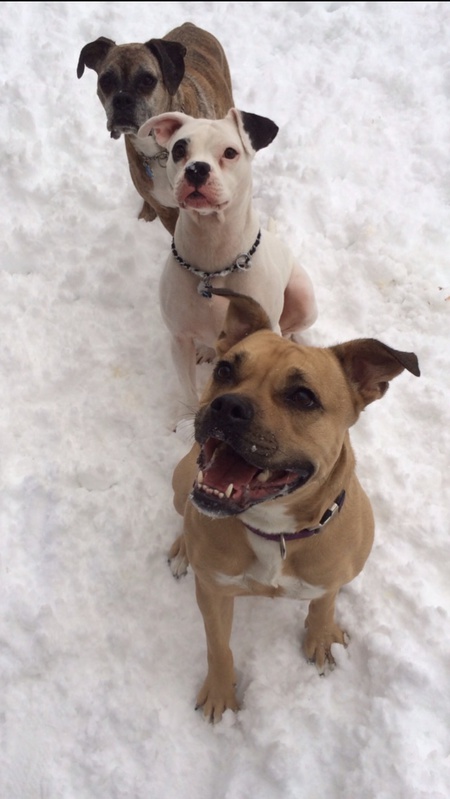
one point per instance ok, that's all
(184, 358)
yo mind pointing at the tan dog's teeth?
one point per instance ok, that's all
(263, 476)
(229, 491)
(200, 478)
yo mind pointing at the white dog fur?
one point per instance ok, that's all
(209, 168)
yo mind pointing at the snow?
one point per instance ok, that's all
(101, 650)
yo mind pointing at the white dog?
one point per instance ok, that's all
(218, 241)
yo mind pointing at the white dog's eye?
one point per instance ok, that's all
(230, 153)
(179, 150)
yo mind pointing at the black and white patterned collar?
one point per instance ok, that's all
(242, 263)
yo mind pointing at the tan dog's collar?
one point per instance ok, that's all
(306, 533)
(242, 262)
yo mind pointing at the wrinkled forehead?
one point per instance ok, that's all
(208, 134)
(283, 363)
(128, 58)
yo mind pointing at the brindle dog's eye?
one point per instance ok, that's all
(179, 150)
(145, 82)
(223, 372)
(303, 399)
(108, 82)
(230, 153)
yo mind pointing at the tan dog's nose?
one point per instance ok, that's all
(232, 409)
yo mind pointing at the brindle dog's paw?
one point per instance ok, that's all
(177, 558)
(147, 212)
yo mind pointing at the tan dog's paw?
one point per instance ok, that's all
(317, 647)
(215, 700)
(178, 559)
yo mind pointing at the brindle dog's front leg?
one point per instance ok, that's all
(218, 691)
(322, 631)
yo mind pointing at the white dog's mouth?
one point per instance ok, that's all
(199, 199)
(228, 484)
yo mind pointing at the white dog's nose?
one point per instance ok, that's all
(197, 173)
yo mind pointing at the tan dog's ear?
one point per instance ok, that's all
(93, 54)
(369, 365)
(164, 126)
(244, 316)
(256, 132)
(170, 57)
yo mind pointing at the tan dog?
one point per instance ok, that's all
(271, 502)
(185, 71)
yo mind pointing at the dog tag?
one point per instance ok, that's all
(204, 289)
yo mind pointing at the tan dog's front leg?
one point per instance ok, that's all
(322, 631)
(218, 691)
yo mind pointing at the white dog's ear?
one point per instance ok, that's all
(370, 365)
(244, 316)
(256, 132)
(164, 126)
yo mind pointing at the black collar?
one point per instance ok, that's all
(307, 532)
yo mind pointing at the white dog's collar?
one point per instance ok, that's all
(242, 262)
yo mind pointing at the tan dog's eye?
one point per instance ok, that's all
(223, 373)
(303, 399)
(230, 153)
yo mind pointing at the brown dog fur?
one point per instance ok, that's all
(284, 407)
(186, 70)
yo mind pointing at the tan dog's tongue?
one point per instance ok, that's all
(228, 467)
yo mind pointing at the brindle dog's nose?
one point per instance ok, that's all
(232, 409)
(123, 101)
(197, 173)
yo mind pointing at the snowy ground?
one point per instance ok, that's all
(101, 651)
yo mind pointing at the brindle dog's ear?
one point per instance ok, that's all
(244, 316)
(370, 365)
(93, 54)
(170, 57)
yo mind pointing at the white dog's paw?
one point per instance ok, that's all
(204, 354)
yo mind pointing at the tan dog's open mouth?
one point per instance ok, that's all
(228, 484)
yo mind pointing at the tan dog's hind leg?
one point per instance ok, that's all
(178, 559)
(322, 631)
(218, 691)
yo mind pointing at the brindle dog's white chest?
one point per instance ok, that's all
(267, 569)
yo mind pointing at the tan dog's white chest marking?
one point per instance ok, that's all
(267, 569)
